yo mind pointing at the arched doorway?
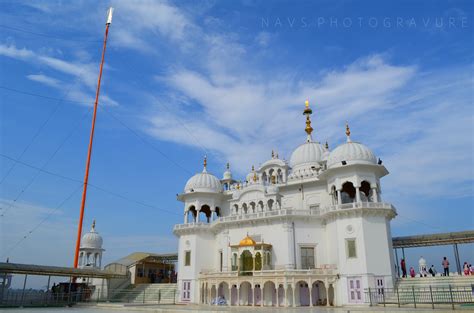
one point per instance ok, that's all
(223, 292)
(319, 293)
(246, 297)
(205, 214)
(302, 293)
(269, 294)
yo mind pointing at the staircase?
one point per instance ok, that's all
(148, 293)
(439, 289)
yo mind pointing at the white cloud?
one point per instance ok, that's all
(46, 80)
(82, 89)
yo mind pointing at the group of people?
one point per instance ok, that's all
(468, 269)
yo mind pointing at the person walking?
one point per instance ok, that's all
(432, 270)
(445, 264)
(466, 269)
(404, 268)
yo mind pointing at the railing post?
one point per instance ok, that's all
(431, 295)
(144, 291)
(159, 295)
(370, 297)
(23, 292)
(398, 297)
(451, 295)
(414, 298)
(383, 296)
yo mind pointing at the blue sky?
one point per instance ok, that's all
(227, 79)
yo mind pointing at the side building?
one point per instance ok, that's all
(311, 231)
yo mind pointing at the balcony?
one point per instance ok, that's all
(328, 270)
(320, 213)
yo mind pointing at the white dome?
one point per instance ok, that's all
(203, 182)
(92, 239)
(308, 153)
(352, 153)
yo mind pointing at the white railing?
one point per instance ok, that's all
(320, 212)
(328, 270)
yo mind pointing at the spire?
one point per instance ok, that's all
(326, 145)
(273, 154)
(307, 111)
(93, 226)
(348, 132)
(204, 170)
(254, 174)
(228, 166)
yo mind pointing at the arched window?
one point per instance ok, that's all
(252, 207)
(270, 174)
(234, 261)
(334, 195)
(205, 214)
(364, 191)
(244, 208)
(218, 211)
(258, 261)
(264, 178)
(260, 206)
(193, 213)
(269, 258)
(236, 209)
(270, 204)
(279, 176)
(348, 192)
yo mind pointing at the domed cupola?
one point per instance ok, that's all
(310, 153)
(252, 176)
(203, 182)
(227, 174)
(351, 153)
(92, 239)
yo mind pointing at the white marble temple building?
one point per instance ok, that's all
(311, 231)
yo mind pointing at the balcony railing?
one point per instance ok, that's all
(320, 212)
(328, 270)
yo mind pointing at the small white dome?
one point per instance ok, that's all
(352, 153)
(203, 182)
(308, 153)
(92, 239)
(227, 174)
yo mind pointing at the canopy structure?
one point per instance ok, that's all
(46, 270)
(138, 257)
(438, 239)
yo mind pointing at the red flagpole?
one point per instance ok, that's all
(88, 162)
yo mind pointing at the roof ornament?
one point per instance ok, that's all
(204, 170)
(254, 174)
(273, 154)
(307, 111)
(348, 132)
(326, 145)
(93, 226)
(228, 166)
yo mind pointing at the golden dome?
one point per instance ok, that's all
(247, 241)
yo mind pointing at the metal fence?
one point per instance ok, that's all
(30, 298)
(420, 295)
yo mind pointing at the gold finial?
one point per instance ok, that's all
(255, 176)
(348, 132)
(326, 145)
(205, 161)
(308, 112)
(93, 224)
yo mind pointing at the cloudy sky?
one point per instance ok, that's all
(227, 79)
